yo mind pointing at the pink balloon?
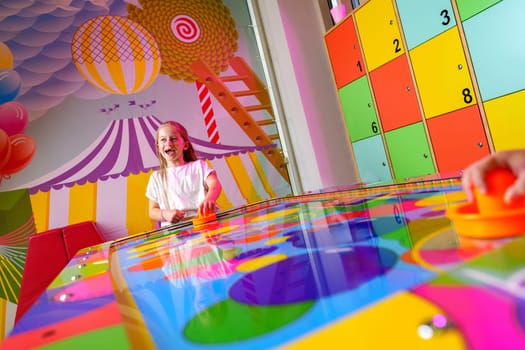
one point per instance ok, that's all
(22, 151)
(5, 148)
(13, 117)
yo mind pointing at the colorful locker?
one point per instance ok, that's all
(344, 52)
(409, 151)
(371, 160)
(395, 94)
(454, 148)
(359, 109)
(379, 33)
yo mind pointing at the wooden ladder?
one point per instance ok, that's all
(240, 113)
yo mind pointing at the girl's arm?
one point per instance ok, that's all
(209, 203)
(157, 214)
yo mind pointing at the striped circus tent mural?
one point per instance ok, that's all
(106, 182)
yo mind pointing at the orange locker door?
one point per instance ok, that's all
(344, 52)
(396, 99)
(458, 138)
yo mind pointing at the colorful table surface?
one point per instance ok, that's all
(366, 267)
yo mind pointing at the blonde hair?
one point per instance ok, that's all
(188, 155)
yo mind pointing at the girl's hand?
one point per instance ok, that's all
(207, 207)
(214, 188)
(173, 216)
(474, 174)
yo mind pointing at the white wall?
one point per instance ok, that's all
(318, 142)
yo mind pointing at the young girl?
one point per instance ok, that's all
(184, 185)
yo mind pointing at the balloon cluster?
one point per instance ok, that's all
(16, 148)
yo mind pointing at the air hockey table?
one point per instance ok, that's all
(363, 267)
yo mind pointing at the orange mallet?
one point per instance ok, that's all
(489, 216)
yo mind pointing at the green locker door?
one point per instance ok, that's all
(409, 151)
(469, 8)
(359, 110)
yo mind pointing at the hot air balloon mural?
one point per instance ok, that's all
(116, 54)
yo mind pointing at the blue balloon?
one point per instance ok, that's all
(10, 83)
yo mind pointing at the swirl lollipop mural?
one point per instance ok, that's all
(186, 31)
(116, 54)
(185, 28)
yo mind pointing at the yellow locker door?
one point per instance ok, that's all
(378, 30)
(442, 75)
(505, 120)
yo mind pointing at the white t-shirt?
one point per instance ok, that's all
(185, 187)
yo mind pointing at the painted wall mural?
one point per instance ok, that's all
(16, 148)
(84, 84)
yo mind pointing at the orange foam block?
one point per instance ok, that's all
(200, 221)
(490, 216)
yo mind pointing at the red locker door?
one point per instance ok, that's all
(345, 53)
(458, 138)
(396, 99)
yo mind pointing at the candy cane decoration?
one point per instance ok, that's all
(207, 112)
(187, 30)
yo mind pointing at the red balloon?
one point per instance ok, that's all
(13, 117)
(5, 148)
(22, 151)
